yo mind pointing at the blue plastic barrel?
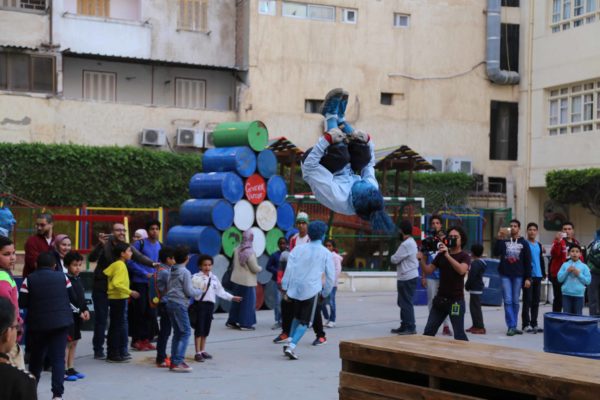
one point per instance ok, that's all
(266, 163)
(216, 212)
(285, 217)
(200, 239)
(492, 292)
(217, 185)
(573, 335)
(192, 264)
(276, 190)
(241, 160)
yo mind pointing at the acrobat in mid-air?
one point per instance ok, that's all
(340, 167)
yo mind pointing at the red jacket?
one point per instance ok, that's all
(558, 255)
(35, 246)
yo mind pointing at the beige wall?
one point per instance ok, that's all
(23, 29)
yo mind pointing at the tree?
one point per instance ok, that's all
(580, 186)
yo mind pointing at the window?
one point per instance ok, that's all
(510, 3)
(504, 130)
(387, 99)
(267, 7)
(190, 93)
(100, 86)
(310, 11)
(27, 73)
(324, 13)
(294, 10)
(509, 47)
(96, 8)
(496, 185)
(193, 15)
(312, 106)
(574, 109)
(33, 5)
(349, 15)
(573, 13)
(401, 20)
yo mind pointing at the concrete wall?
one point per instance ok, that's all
(32, 28)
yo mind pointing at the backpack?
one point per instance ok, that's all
(593, 256)
(154, 295)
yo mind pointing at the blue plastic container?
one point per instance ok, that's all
(217, 185)
(285, 217)
(266, 162)
(492, 292)
(276, 190)
(200, 239)
(241, 160)
(192, 264)
(216, 212)
(573, 335)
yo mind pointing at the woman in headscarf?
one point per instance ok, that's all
(245, 268)
(62, 245)
(140, 234)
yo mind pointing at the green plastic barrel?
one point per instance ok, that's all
(273, 237)
(248, 133)
(231, 239)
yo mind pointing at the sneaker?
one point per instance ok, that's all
(275, 326)
(510, 332)
(446, 331)
(332, 101)
(57, 398)
(518, 332)
(70, 378)
(99, 356)
(116, 359)
(538, 329)
(330, 324)
(285, 347)
(247, 328)
(282, 337)
(126, 356)
(407, 332)
(138, 345)
(478, 331)
(232, 326)
(74, 372)
(470, 329)
(397, 330)
(148, 346)
(206, 356)
(528, 329)
(290, 354)
(163, 364)
(198, 357)
(320, 341)
(183, 367)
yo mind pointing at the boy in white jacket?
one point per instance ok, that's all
(204, 304)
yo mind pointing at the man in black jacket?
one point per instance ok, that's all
(103, 254)
(46, 294)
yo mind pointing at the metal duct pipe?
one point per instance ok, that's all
(495, 74)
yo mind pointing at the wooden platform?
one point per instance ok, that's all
(422, 367)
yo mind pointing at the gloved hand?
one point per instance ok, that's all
(360, 136)
(335, 135)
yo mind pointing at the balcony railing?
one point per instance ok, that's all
(24, 5)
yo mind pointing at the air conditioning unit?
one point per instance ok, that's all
(437, 162)
(189, 137)
(459, 165)
(208, 132)
(153, 137)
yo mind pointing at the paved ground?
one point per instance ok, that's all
(247, 365)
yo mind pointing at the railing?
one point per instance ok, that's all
(29, 5)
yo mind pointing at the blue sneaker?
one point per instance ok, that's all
(341, 115)
(70, 378)
(330, 106)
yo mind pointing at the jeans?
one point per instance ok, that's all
(511, 289)
(52, 343)
(331, 301)
(531, 303)
(572, 304)
(277, 308)
(437, 316)
(141, 317)
(557, 292)
(406, 291)
(180, 321)
(117, 330)
(594, 294)
(100, 300)
(475, 310)
(163, 333)
(432, 288)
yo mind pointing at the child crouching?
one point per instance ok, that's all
(204, 304)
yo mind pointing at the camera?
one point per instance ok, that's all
(430, 244)
(449, 242)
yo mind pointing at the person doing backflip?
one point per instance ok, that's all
(340, 167)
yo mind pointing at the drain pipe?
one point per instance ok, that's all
(495, 74)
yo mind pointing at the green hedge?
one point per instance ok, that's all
(575, 186)
(72, 175)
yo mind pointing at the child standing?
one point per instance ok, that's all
(118, 293)
(73, 261)
(337, 264)
(574, 276)
(204, 304)
(166, 256)
(9, 290)
(475, 287)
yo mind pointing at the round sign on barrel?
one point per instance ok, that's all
(273, 237)
(264, 275)
(241, 160)
(266, 215)
(255, 189)
(266, 163)
(245, 133)
(259, 242)
(271, 294)
(285, 217)
(276, 190)
(200, 239)
(231, 239)
(217, 185)
(243, 215)
(290, 233)
(217, 212)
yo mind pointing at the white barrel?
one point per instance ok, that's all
(243, 215)
(266, 215)
(260, 242)
(220, 265)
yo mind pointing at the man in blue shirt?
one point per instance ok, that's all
(531, 294)
(302, 282)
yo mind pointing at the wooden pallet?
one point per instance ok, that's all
(422, 367)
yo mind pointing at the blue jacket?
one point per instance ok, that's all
(304, 272)
(273, 264)
(574, 285)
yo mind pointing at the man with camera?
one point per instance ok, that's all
(515, 271)
(453, 263)
(429, 249)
